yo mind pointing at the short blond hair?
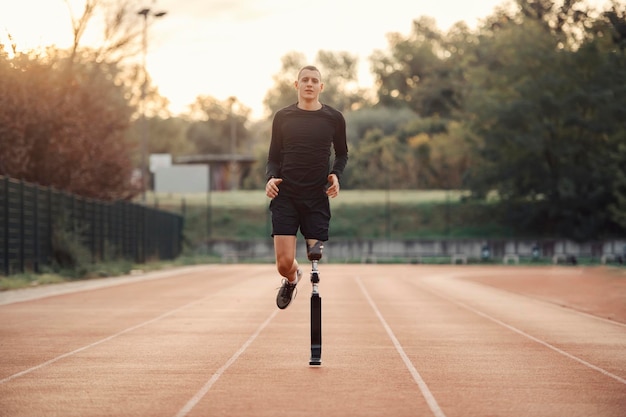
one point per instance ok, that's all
(309, 68)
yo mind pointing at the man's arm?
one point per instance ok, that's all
(340, 145)
(272, 168)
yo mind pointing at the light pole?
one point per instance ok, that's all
(233, 145)
(144, 128)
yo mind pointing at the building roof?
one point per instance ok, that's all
(208, 158)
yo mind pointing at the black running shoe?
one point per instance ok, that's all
(287, 291)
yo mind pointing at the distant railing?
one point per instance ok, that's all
(33, 217)
(426, 251)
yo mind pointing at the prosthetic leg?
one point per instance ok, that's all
(314, 253)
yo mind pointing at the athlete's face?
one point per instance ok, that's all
(309, 85)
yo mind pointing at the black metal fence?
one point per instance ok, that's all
(33, 218)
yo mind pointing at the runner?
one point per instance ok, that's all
(299, 178)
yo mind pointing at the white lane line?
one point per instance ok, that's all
(428, 396)
(205, 389)
(523, 333)
(467, 278)
(99, 342)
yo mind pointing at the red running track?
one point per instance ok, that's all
(398, 340)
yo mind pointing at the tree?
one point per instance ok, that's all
(422, 71)
(563, 20)
(618, 206)
(55, 133)
(386, 119)
(223, 128)
(548, 117)
(375, 164)
(121, 33)
(164, 135)
(439, 151)
(120, 43)
(283, 92)
(65, 114)
(341, 90)
(611, 37)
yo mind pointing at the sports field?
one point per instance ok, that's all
(398, 340)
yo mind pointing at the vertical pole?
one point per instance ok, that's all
(387, 159)
(36, 253)
(144, 138)
(316, 318)
(144, 135)
(233, 168)
(447, 219)
(49, 225)
(22, 228)
(208, 207)
(7, 268)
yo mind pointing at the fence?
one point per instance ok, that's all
(435, 251)
(32, 218)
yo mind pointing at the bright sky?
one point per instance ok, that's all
(224, 48)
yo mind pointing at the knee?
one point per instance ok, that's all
(284, 266)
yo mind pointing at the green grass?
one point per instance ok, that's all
(394, 214)
(28, 280)
(257, 198)
(101, 270)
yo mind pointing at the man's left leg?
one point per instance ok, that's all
(315, 227)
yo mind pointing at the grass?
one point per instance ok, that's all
(356, 222)
(397, 214)
(102, 270)
(17, 281)
(257, 198)
(30, 280)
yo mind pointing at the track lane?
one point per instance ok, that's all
(475, 366)
(63, 323)
(361, 372)
(590, 340)
(143, 369)
(222, 348)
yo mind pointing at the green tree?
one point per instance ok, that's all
(422, 71)
(618, 206)
(545, 115)
(164, 135)
(564, 20)
(374, 165)
(386, 119)
(439, 153)
(220, 126)
(425, 72)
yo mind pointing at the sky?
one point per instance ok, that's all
(224, 48)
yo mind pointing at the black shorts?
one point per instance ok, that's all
(311, 216)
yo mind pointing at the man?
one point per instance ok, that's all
(299, 180)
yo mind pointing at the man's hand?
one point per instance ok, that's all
(333, 188)
(271, 188)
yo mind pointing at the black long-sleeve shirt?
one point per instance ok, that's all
(300, 149)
